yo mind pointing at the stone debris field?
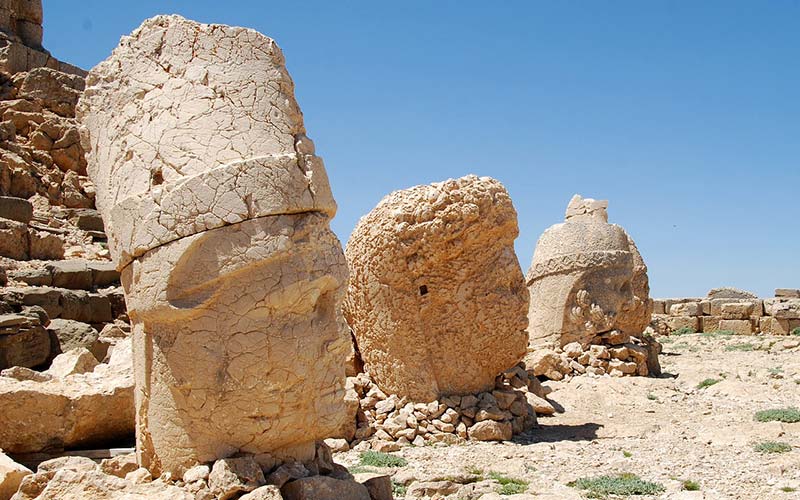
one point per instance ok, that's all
(178, 321)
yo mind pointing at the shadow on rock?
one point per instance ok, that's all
(559, 432)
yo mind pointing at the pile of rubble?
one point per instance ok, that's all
(387, 422)
(247, 477)
(730, 310)
(615, 354)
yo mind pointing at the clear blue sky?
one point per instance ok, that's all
(685, 115)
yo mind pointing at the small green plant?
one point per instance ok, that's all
(626, 454)
(785, 415)
(358, 469)
(684, 330)
(708, 383)
(739, 347)
(620, 484)
(772, 447)
(398, 490)
(509, 485)
(652, 397)
(796, 332)
(788, 489)
(378, 459)
(690, 485)
(476, 471)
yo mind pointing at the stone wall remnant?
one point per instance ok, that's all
(729, 310)
(217, 213)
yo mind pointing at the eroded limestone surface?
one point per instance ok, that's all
(588, 281)
(436, 297)
(195, 127)
(217, 212)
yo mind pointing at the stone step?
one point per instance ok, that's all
(18, 209)
(79, 305)
(32, 460)
(74, 274)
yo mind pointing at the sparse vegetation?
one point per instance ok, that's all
(773, 447)
(398, 490)
(652, 397)
(477, 471)
(739, 347)
(690, 485)
(786, 415)
(718, 333)
(708, 383)
(509, 485)
(378, 459)
(796, 332)
(776, 371)
(621, 484)
(788, 489)
(627, 454)
(358, 469)
(684, 330)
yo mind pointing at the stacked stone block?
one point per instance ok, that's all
(737, 311)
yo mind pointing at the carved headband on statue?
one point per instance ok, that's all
(567, 263)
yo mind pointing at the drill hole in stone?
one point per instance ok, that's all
(423, 290)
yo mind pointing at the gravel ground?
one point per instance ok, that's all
(665, 430)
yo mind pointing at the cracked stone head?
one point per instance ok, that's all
(436, 298)
(587, 279)
(218, 216)
(189, 127)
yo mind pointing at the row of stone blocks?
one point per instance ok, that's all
(740, 312)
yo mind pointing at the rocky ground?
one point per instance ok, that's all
(666, 430)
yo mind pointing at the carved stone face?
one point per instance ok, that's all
(602, 301)
(587, 281)
(244, 337)
(217, 213)
(436, 298)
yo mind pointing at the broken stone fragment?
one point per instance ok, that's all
(324, 488)
(11, 476)
(231, 476)
(490, 430)
(78, 360)
(79, 410)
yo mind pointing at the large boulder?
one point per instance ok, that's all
(587, 280)
(217, 213)
(436, 299)
(78, 410)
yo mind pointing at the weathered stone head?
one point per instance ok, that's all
(437, 299)
(587, 280)
(217, 212)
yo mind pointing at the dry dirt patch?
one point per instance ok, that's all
(667, 430)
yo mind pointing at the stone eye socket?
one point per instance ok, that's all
(423, 290)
